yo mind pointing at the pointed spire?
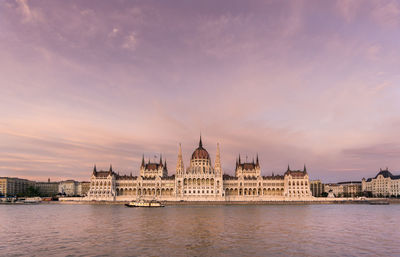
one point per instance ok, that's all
(257, 162)
(179, 164)
(165, 163)
(160, 159)
(200, 143)
(110, 172)
(239, 159)
(218, 159)
(94, 170)
(305, 169)
(142, 161)
(288, 168)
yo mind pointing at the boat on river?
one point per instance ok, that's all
(380, 202)
(145, 204)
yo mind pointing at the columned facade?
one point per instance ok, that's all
(200, 181)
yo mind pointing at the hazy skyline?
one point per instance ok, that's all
(298, 82)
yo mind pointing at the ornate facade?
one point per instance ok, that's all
(383, 184)
(200, 181)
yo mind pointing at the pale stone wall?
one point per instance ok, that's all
(201, 181)
(102, 188)
(337, 190)
(297, 187)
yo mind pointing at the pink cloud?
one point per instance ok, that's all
(290, 82)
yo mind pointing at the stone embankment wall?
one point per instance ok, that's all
(237, 200)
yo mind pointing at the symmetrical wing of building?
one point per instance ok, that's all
(200, 181)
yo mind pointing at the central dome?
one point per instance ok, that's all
(200, 152)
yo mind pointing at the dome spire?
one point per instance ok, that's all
(200, 142)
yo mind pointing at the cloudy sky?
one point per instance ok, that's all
(298, 82)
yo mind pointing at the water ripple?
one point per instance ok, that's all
(281, 230)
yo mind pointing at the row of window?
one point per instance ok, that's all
(202, 191)
(297, 192)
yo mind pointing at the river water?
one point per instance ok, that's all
(262, 230)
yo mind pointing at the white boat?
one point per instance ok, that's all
(33, 200)
(145, 204)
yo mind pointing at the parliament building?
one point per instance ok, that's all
(200, 181)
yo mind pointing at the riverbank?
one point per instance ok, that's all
(291, 202)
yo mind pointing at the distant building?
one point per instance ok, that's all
(14, 186)
(19, 187)
(351, 188)
(47, 188)
(335, 189)
(317, 188)
(83, 188)
(68, 187)
(383, 184)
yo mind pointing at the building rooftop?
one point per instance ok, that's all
(386, 174)
(349, 182)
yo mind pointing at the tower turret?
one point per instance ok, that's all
(110, 172)
(179, 164)
(94, 170)
(217, 165)
(257, 162)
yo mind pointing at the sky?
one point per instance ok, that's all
(105, 82)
